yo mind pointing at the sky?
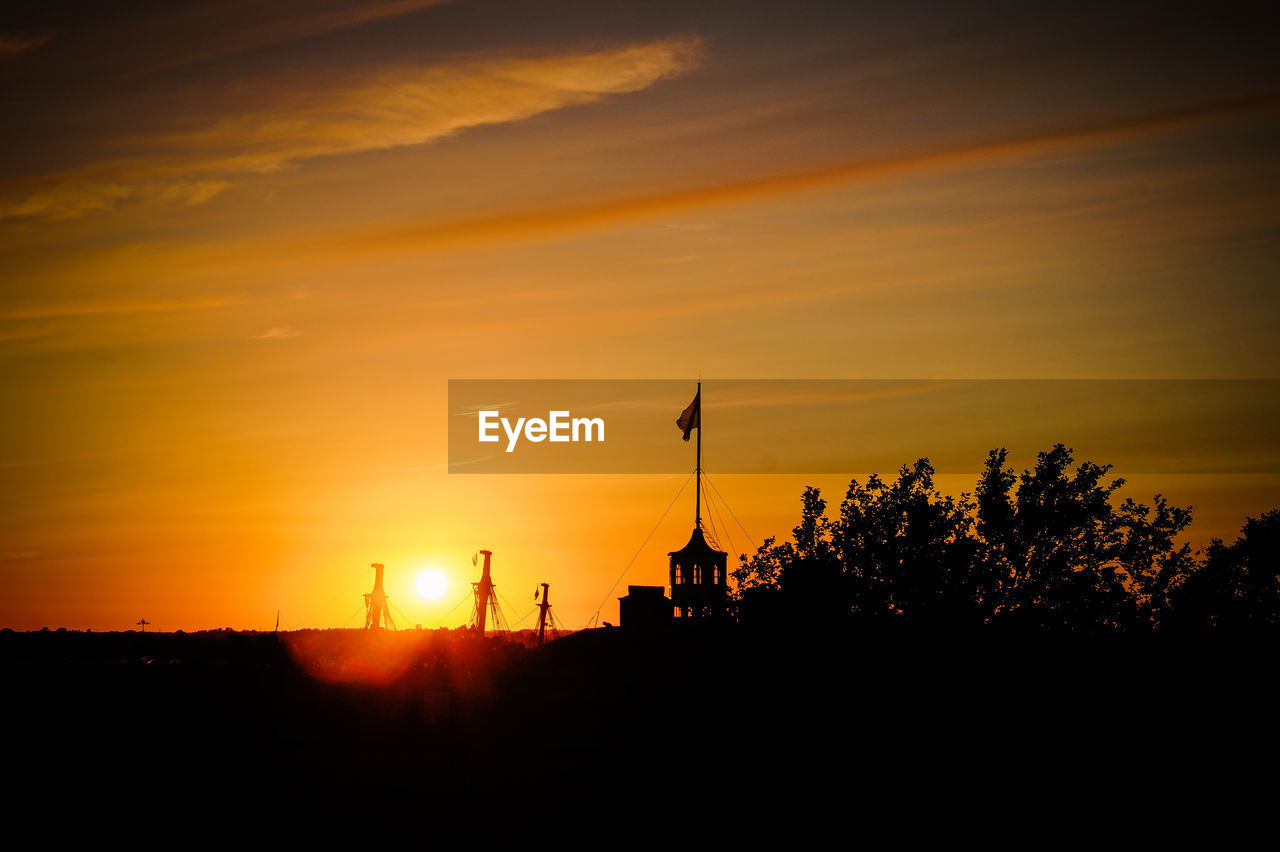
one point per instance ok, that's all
(244, 247)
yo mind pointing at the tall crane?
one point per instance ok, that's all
(486, 600)
(376, 613)
(544, 609)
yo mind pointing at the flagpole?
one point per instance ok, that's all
(697, 472)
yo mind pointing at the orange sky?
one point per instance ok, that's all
(243, 250)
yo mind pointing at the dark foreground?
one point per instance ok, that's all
(603, 731)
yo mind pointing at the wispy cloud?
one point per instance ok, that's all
(88, 308)
(474, 410)
(406, 105)
(441, 465)
(276, 333)
(291, 27)
(22, 334)
(13, 44)
(1014, 145)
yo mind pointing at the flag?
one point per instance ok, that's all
(691, 417)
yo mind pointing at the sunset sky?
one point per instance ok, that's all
(244, 246)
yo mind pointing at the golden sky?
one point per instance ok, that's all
(244, 246)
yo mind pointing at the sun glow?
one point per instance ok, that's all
(431, 584)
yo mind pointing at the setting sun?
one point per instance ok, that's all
(431, 585)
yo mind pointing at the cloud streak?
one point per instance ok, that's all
(296, 27)
(81, 309)
(549, 222)
(392, 108)
(276, 333)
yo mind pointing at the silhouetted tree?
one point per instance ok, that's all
(996, 530)
(1155, 564)
(906, 547)
(811, 541)
(1238, 586)
(813, 535)
(1060, 544)
(764, 569)
(1046, 549)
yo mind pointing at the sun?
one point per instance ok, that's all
(431, 584)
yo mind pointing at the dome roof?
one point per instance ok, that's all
(697, 549)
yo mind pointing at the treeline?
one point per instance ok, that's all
(1049, 549)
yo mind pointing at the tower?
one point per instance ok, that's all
(376, 613)
(698, 571)
(698, 579)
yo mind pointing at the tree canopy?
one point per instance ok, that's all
(1050, 548)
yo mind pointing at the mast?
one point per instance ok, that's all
(697, 471)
